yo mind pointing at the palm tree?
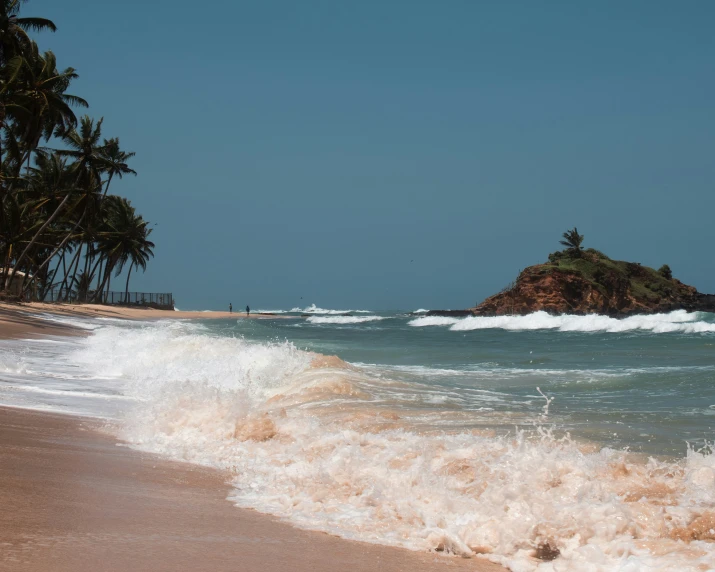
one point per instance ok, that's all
(115, 161)
(572, 241)
(125, 240)
(41, 94)
(13, 29)
(51, 183)
(85, 149)
(57, 219)
(139, 256)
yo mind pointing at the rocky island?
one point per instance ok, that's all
(586, 281)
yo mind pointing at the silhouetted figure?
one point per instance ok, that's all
(230, 308)
(248, 310)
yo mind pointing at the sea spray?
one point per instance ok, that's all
(343, 319)
(313, 309)
(407, 455)
(678, 321)
(312, 446)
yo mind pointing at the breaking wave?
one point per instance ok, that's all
(343, 319)
(678, 321)
(313, 309)
(329, 446)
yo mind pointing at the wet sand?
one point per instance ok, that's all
(74, 499)
(17, 321)
(99, 310)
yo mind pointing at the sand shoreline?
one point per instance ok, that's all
(74, 500)
(120, 312)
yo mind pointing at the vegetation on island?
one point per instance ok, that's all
(580, 280)
(60, 226)
(604, 274)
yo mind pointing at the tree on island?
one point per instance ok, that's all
(665, 272)
(572, 241)
(59, 226)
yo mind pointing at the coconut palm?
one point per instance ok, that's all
(572, 241)
(41, 97)
(13, 29)
(124, 240)
(85, 149)
(57, 219)
(115, 161)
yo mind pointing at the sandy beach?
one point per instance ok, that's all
(18, 313)
(74, 499)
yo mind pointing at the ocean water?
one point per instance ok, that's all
(571, 443)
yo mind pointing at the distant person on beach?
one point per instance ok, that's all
(230, 308)
(248, 310)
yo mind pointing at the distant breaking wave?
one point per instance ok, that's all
(678, 321)
(313, 309)
(343, 319)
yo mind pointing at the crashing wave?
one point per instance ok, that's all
(343, 319)
(678, 321)
(313, 309)
(315, 442)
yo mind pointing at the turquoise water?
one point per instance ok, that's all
(643, 389)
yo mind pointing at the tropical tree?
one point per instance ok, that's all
(115, 161)
(13, 29)
(572, 240)
(58, 223)
(38, 90)
(85, 150)
(125, 240)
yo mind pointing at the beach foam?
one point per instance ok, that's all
(315, 446)
(343, 319)
(678, 321)
(354, 452)
(313, 309)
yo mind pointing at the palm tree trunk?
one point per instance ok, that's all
(34, 238)
(43, 293)
(6, 266)
(56, 250)
(126, 288)
(106, 189)
(94, 269)
(99, 294)
(89, 257)
(68, 272)
(109, 281)
(76, 266)
(99, 273)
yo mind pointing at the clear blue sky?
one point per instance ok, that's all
(400, 154)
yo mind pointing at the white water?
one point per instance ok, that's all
(343, 319)
(678, 321)
(313, 309)
(318, 448)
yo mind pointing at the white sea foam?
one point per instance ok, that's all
(313, 309)
(434, 321)
(678, 321)
(343, 319)
(420, 311)
(315, 446)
